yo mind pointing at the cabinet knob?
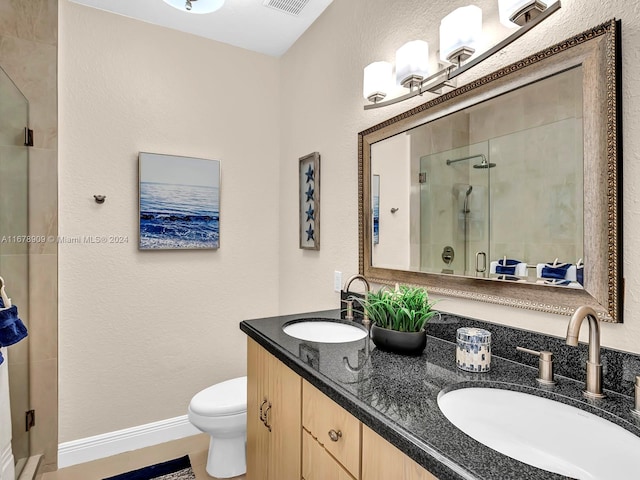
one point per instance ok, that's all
(335, 436)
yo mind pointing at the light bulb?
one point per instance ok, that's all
(377, 81)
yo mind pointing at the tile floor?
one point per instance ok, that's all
(196, 447)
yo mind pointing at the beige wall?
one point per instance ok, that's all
(393, 163)
(141, 332)
(322, 79)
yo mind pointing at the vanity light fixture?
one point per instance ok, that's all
(196, 6)
(412, 64)
(516, 13)
(377, 81)
(460, 33)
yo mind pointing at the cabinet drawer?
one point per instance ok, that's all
(317, 464)
(324, 418)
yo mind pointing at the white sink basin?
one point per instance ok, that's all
(546, 434)
(324, 331)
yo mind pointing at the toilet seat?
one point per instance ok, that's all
(225, 398)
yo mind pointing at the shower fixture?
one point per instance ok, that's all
(483, 163)
(465, 208)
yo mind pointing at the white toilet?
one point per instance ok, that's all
(221, 411)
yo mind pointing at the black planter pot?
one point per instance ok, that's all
(405, 343)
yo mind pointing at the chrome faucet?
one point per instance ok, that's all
(593, 387)
(347, 285)
(357, 277)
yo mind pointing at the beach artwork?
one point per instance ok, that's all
(179, 202)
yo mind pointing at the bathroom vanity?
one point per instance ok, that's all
(323, 411)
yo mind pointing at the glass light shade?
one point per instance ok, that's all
(197, 6)
(377, 79)
(508, 7)
(412, 59)
(461, 28)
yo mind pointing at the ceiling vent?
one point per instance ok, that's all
(292, 7)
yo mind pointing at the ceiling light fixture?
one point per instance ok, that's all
(460, 34)
(196, 6)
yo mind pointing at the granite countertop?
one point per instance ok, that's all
(396, 396)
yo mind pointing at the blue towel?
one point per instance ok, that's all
(580, 275)
(507, 266)
(12, 330)
(508, 262)
(558, 272)
(1, 359)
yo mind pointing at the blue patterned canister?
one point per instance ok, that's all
(473, 353)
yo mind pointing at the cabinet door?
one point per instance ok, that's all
(274, 441)
(324, 418)
(382, 461)
(284, 417)
(257, 432)
(317, 464)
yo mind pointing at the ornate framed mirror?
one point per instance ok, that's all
(505, 190)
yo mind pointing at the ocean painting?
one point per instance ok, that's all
(179, 202)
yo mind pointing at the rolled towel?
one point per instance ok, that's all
(555, 271)
(553, 281)
(580, 272)
(507, 266)
(12, 330)
(508, 262)
(508, 277)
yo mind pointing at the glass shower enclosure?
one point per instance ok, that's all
(14, 249)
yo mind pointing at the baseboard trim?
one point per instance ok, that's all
(120, 441)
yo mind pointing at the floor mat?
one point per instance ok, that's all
(177, 469)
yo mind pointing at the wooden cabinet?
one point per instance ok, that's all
(317, 464)
(335, 431)
(273, 417)
(382, 461)
(294, 431)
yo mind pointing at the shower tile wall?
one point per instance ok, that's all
(437, 219)
(28, 53)
(536, 205)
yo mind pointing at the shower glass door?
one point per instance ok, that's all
(454, 211)
(14, 249)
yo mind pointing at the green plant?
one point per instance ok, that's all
(405, 309)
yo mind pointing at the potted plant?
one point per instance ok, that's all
(399, 317)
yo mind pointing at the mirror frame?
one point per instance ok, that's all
(598, 52)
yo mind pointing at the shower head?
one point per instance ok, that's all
(484, 163)
(469, 190)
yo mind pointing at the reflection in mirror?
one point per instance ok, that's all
(495, 190)
(506, 189)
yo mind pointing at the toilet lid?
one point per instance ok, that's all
(225, 398)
